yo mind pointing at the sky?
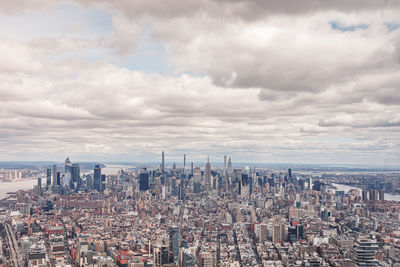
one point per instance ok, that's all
(258, 80)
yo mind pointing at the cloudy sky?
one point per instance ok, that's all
(260, 80)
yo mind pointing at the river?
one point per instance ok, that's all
(15, 186)
(27, 184)
(346, 188)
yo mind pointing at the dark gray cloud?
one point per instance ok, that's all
(236, 9)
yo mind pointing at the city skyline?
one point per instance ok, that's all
(260, 81)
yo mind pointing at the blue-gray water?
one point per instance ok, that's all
(346, 188)
(15, 186)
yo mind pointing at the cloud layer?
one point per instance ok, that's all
(312, 82)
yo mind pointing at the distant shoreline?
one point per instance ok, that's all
(18, 180)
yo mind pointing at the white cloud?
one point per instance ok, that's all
(272, 82)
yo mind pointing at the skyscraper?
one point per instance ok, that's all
(300, 231)
(251, 185)
(48, 178)
(278, 232)
(58, 179)
(364, 195)
(230, 166)
(54, 174)
(97, 178)
(208, 174)
(356, 221)
(103, 182)
(89, 182)
(188, 258)
(75, 176)
(160, 255)
(174, 238)
(162, 163)
(67, 164)
(381, 195)
(224, 163)
(144, 181)
(39, 180)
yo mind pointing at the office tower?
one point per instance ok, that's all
(309, 183)
(277, 233)
(356, 221)
(245, 179)
(157, 257)
(371, 194)
(181, 191)
(75, 176)
(67, 165)
(68, 174)
(160, 255)
(224, 162)
(58, 179)
(230, 166)
(365, 253)
(293, 213)
(291, 179)
(97, 178)
(188, 258)
(364, 195)
(54, 174)
(381, 195)
(208, 174)
(219, 182)
(103, 182)
(214, 183)
(196, 188)
(263, 232)
(300, 232)
(302, 184)
(191, 168)
(184, 162)
(174, 239)
(48, 178)
(144, 181)
(39, 180)
(292, 234)
(260, 182)
(173, 187)
(374, 194)
(375, 224)
(162, 163)
(89, 182)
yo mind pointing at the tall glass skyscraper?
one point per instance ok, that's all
(144, 181)
(174, 238)
(48, 178)
(97, 178)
